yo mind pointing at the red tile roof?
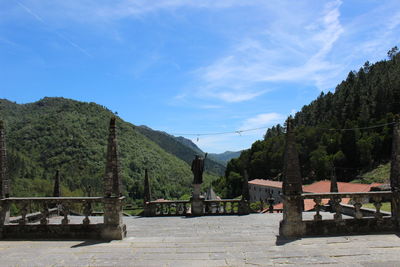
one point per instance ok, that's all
(324, 187)
(268, 183)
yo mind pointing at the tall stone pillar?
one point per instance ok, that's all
(149, 210)
(244, 207)
(197, 201)
(4, 179)
(395, 172)
(113, 200)
(334, 185)
(291, 225)
(57, 185)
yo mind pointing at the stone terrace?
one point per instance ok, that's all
(249, 240)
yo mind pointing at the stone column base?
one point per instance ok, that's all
(113, 232)
(197, 206)
(291, 229)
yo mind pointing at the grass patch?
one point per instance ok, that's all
(385, 206)
(379, 175)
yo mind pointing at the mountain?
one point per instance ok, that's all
(71, 136)
(182, 148)
(226, 156)
(346, 132)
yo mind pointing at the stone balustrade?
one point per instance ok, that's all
(183, 207)
(46, 204)
(356, 200)
(42, 207)
(222, 207)
(167, 208)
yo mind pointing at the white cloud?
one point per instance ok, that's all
(261, 120)
(283, 53)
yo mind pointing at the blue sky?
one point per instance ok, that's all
(191, 66)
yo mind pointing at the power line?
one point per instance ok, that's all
(266, 127)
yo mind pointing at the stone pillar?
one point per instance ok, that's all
(197, 201)
(149, 210)
(244, 207)
(395, 172)
(113, 202)
(4, 179)
(112, 181)
(57, 185)
(147, 191)
(292, 224)
(334, 185)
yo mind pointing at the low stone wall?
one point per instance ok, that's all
(59, 231)
(350, 226)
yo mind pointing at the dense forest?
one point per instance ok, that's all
(71, 136)
(333, 132)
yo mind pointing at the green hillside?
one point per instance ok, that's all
(58, 133)
(181, 148)
(333, 132)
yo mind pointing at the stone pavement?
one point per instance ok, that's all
(249, 240)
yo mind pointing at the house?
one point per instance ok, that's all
(260, 189)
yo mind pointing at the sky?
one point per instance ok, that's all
(191, 66)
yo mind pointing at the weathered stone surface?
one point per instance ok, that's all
(4, 179)
(57, 185)
(112, 179)
(291, 225)
(206, 241)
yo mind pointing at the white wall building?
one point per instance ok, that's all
(260, 189)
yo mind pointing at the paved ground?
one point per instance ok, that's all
(206, 241)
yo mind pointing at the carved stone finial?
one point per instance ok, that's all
(395, 158)
(292, 182)
(4, 179)
(334, 185)
(245, 187)
(57, 185)
(112, 179)
(147, 192)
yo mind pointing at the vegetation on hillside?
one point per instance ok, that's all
(370, 96)
(181, 148)
(71, 136)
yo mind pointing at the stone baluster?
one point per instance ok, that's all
(317, 207)
(45, 214)
(24, 212)
(271, 201)
(65, 212)
(337, 208)
(357, 206)
(378, 205)
(224, 207)
(232, 207)
(87, 211)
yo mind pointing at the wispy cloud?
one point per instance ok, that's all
(261, 120)
(249, 68)
(60, 35)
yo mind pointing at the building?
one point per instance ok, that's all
(260, 189)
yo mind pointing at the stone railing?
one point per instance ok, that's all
(44, 205)
(356, 199)
(358, 221)
(222, 207)
(167, 208)
(183, 207)
(111, 227)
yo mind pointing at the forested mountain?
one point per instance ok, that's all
(226, 156)
(368, 97)
(181, 148)
(58, 133)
